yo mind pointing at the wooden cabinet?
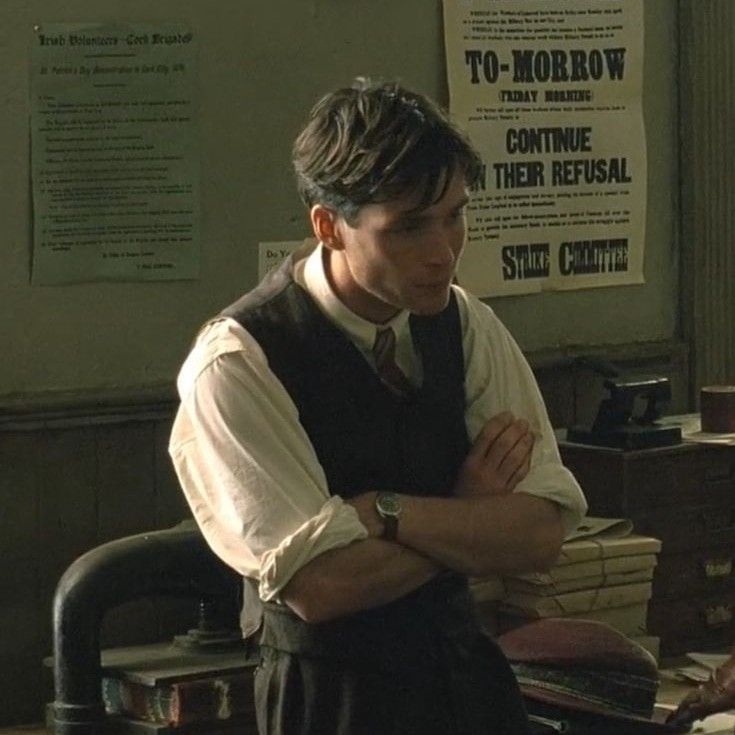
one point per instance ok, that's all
(684, 496)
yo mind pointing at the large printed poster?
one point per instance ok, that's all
(551, 95)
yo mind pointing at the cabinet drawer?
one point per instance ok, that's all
(693, 623)
(703, 477)
(702, 572)
(688, 528)
(621, 483)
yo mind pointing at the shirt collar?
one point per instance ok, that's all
(358, 329)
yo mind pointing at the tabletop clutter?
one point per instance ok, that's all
(576, 635)
(604, 573)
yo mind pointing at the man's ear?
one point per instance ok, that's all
(324, 222)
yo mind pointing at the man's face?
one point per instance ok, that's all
(399, 257)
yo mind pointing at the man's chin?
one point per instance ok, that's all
(430, 306)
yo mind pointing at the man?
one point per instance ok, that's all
(358, 434)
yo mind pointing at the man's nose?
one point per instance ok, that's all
(442, 246)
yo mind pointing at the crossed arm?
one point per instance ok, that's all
(483, 527)
(261, 499)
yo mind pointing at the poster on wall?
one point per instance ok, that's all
(114, 153)
(550, 93)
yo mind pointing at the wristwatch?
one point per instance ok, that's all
(388, 506)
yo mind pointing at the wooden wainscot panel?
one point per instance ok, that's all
(125, 480)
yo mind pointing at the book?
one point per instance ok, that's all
(579, 602)
(212, 699)
(235, 726)
(606, 548)
(595, 567)
(517, 585)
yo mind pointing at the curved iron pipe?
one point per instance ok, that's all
(174, 561)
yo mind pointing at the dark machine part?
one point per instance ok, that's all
(621, 423)
(216, 629)
(174, 561)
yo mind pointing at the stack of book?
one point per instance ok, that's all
(167, 690)
(604, 573)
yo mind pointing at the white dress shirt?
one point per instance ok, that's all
(248, 469)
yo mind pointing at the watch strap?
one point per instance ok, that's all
(390, 527)
(388, 507)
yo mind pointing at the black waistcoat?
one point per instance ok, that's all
(419, 665)
(364, 436)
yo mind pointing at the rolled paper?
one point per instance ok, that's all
(717, 408)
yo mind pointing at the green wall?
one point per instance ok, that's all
(261, 65)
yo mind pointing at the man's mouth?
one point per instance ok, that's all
(434, 286)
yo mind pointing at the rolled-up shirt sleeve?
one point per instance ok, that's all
(246, 466)
(498, 378)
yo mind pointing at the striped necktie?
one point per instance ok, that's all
(384, 352)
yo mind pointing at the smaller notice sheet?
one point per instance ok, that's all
(272, 254)
(114, 153)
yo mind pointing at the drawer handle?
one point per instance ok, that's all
(718, 522)
(713, 473)
(717, 615)
(715, 568)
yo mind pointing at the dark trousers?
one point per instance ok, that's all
(419, 669)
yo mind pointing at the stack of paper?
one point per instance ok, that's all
(604, 573)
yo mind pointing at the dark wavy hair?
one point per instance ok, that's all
(373, 141)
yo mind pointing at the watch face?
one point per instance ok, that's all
(389, 504)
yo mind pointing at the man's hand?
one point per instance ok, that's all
(716, 695)
(498, 460)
